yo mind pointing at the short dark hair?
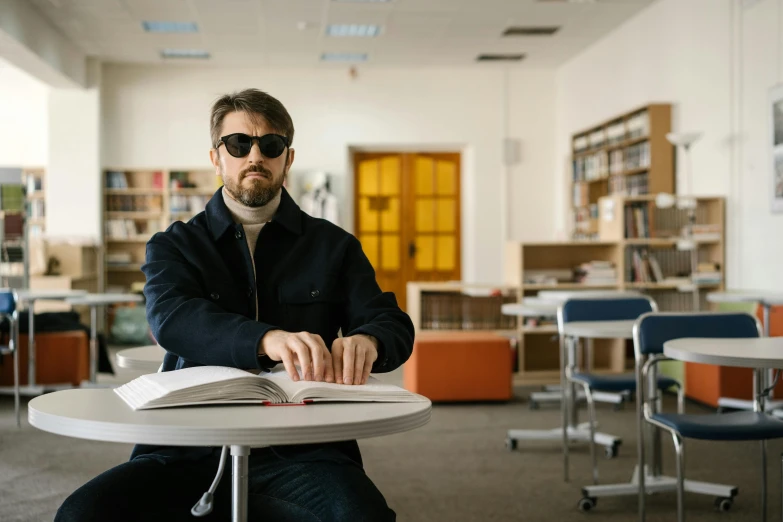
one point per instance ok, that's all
(256, 104)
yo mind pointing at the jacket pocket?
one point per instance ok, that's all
(313, 303)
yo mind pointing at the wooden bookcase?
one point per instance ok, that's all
(34, 179)
(137, 204)
(626, 155)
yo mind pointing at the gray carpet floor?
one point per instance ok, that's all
(454, 469)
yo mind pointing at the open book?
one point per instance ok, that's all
(223, 385)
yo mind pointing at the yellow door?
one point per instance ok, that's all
(407, 217)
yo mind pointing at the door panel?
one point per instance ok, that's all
(407, 215)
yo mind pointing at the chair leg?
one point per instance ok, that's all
(591, 422)
(763, 480)
(680, 477)
(564, 402)
(14, 337)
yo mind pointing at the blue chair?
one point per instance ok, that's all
(650, 333)
(589, 310)
(8, 300)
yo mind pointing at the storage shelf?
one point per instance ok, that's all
(134, 191)
(667, 286)
(133, 215)
(139, 239)
(569, 286)
(666, 241)
(38, 194)
(124, 268)
(615, 146)
(193, 192)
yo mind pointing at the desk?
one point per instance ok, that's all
(571, 431)
(766, 300)
(27, 299)
(763, 353)
(145, 359)
(94, 301)
(100, 414)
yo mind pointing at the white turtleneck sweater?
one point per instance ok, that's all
(252, 220)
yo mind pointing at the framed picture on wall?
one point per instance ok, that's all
(776, 140)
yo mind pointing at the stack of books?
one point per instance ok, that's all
(596, 273)
(707, 273)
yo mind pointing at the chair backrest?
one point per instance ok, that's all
(654, 329)
(606, 309)
(7, 301)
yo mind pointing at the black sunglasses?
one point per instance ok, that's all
(239, 144)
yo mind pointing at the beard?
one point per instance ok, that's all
(258, 193)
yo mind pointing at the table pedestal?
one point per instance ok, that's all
(240, 457)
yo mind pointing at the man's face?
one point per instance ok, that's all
(255, 179)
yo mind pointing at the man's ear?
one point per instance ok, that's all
(291, 154)
(214, 158)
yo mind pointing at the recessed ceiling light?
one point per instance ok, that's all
(530, 31)
(500, 57)
(344, 57)
(353, 30)
(184, 53)
(170, 27)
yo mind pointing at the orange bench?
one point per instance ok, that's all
(460, 366)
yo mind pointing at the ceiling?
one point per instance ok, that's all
(292, 32)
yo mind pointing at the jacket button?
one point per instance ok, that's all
(315, 293)
(214, 296)
(249, 291)
(238, 234)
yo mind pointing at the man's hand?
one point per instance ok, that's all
(302, 349)
(352, 358)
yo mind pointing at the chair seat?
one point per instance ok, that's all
(741, 425)
(618, 383)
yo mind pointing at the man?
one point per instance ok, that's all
(250, 282)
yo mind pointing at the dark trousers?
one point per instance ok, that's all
(285, 484)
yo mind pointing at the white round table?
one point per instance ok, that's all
(100, 414)
(600, 329)
(144, 359)
(94, 301)
(27, 298)
(761, 352)
(561, 296)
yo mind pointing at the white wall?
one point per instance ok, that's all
(73, 194)
(24, 129)
(159, 117)
(690, 53)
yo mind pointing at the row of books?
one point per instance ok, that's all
(707, 272)
(635, 126)
(34, 184)
(121, 180)
(119, 258)
(645, 267)
(37, 209)
(636, 185)
(455, 311)
(584, 218)
(193, 204)
(637, 221)
(129, 228)
(637, 156)
(134, 203)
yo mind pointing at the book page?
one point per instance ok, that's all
(168, 382)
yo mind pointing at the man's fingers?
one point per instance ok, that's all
(337, 360)
(303, 352)
(328, 369)
(367, 369)
(288, 362)
(316, 354)
(349, 357)
(358, 365)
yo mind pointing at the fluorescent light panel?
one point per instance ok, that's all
(353, 30)
(500, 57)
(344, 57)
(184, 53)
(170, 27)
(531, 31)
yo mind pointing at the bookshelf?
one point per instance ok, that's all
(627, 155)
(137, 203)
(34, 179)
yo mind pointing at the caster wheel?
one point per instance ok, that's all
(611, 452)
(723, 503)
(533, 405)
(511, 444)
(586, 504)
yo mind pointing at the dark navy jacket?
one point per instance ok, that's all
(312, 276)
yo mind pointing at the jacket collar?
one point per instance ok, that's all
(219, 218)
